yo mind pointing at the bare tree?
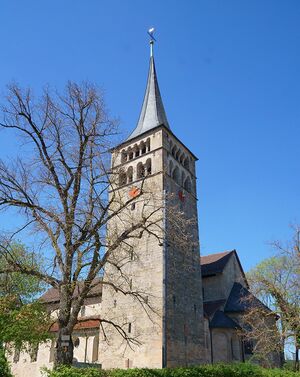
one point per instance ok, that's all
(60, 187)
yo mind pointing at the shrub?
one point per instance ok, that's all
(4, 366)
(217, 370)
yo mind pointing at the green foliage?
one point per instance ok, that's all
(20, 324)
(24, 287)
(23, 320)
(4, 366)
(67, 371)
(217, 370)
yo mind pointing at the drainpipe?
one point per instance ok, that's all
(211, 346)
(165, 254)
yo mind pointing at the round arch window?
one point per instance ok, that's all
(76, 342)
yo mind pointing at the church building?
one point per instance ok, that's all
(185, 310)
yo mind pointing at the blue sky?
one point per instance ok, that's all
(229, 74)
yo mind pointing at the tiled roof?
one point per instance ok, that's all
(221, 320)
(210, 307)
(91, 322)
(214, 264)
(52, 295)
(240, 300)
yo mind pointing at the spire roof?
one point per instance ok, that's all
(153, 113)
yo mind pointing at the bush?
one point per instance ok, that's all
(217, 370)
(4, 366)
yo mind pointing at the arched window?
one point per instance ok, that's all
(148, 166)
(171, 145)
(123, 157)
(140, 170)
(95, 348)
(181, 158)
(186, 163)
(148, 144)
(178, 155)
(188, 185)
(143, 147)
(130, 154)
(175, 175)
(170, 168)
(130, 174)
(122, 178)
(136, 151)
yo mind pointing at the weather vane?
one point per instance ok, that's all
(152, 40)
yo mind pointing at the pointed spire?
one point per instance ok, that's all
(153, 113)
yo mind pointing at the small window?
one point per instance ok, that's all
(129, 328)
(115, 303)
(174, 300)
(130, 284)
(16, 355)
(132, 206)
(195, 308)
(33, 352)
(82, 311)
(130, 155)
(76, 342)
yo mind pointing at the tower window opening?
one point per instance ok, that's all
(115, 303)
(130, 174)
(143, 148)
(129, 328)
(122, 178)
(136, 151)
(195, 308)
(148, 145)
(174, 300)
(130, 284)
(140, 170)
(132, 206)
(148, 166)
(123, 157)
(130, 155)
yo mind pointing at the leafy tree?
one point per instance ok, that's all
(23, 319)
(276, 281)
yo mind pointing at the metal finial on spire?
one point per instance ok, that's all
(152, 40)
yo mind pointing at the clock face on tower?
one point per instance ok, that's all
(134, 192)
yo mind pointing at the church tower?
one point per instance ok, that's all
(155, 298)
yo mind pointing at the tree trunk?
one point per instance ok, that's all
(64, 345)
